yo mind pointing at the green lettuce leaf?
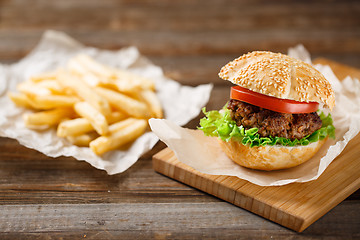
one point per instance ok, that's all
(220, 124)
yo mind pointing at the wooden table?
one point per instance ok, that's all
(65, 198)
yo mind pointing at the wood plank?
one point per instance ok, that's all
(211, 220)
(180, 15)
(165, 43)
(30, 177)
(185, 28)
(296, 205)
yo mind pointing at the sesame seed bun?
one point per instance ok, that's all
(269, 157)
(281, 76)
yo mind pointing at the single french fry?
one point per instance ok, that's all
(32, 88)
(121, 125)
(96, 119)
(85, 92)
(74, 127)
(150, 98)
(51, 101)
(118, 138)
(94, 66)
(44, 87)
(47, 118)
(124, 103)
(20, 99)
(82, 140)
(44, 76)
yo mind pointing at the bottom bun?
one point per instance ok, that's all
(269, 157)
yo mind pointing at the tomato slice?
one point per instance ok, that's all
(272, 103)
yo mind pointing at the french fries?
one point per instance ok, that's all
(31, 88)
(96, 119)
(80, 126)
(118, 137)
(51, 101)
(82, 140)
(124, 103)
(20, 99)
(151, 100)
(47, 118)
(94, 67)
(91, 104)
(74, 127)
(128, 79)
(44, 76)
(84, 91)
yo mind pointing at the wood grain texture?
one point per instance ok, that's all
(187, 28)
(295, 206)
(156, 221)
(61, 198)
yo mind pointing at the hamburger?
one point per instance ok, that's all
(273, 118)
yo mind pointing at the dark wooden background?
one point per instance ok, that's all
(64, 198)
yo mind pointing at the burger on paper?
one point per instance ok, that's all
(275, 116)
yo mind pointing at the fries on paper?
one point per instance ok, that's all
(90, 104)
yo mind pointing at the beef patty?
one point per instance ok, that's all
(275, 124)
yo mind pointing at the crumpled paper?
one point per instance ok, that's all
(180, 103)
(204, 154)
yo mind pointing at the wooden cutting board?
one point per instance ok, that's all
(295, 206)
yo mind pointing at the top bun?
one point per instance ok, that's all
(281, 76)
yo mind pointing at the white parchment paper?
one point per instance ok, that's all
(205, 155)
(180, 103)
